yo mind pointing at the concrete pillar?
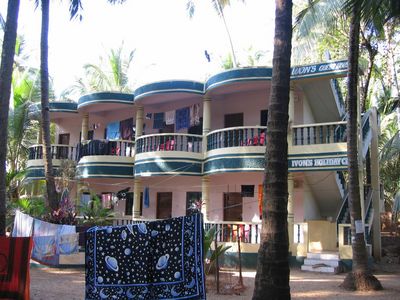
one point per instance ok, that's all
(290, 218)
(206, 120)
(40, 135)
(375, 185)
(137, 189)
(85, 127)
(205, 195)
(139, 121)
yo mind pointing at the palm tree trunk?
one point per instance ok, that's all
(272, 278)
(360, 278)
(6, 68)
(44, 80)
(221, 11)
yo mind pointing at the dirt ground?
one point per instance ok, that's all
(60, 284)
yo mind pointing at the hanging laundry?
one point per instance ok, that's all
(15, 254)
(195, 114)
(158, 121)
(113, 131)
(23, 225)
(67, 239)
(146, 197)
(126, 129)
(170, 117)
(45, 242)
(150, 260)
(182, 117)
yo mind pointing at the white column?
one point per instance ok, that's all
(205, 195)
(137, 189)
(206, 115)
(139, 121)
(290, 218)
(375, 184)
(85, 127)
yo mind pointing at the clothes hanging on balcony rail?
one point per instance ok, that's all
(170, 117)
(195, 114)
(158, 121)
(113, 131)
(149, 260)
(182, 118)
(15, 254)
(126, 129)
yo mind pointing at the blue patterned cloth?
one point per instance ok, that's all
(182, 118)
(113, 131)
(149, 260)
(158, 122)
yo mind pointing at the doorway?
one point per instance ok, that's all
(164, 205)
(231, 138)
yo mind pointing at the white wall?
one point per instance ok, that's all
(311, 209)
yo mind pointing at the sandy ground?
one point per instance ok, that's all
(60, 284)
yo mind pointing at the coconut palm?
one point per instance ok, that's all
(111, 74)
(219, 6)
(372, 13)
(272, 278)
(7, 59)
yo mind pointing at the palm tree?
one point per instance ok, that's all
(7, 59)
(372, 13)
(111, 74)
(219, 6)
(272, 278)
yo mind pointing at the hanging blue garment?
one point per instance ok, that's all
(150, 260)
(182, 118)
(113, 131)
(158, 121)
(146, 197)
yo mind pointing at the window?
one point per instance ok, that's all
(247, 190)
(264, 117)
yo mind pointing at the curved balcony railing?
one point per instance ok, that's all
(236, 137)
(105, 147)
(57, 152)
(169, 142)
(320, 133)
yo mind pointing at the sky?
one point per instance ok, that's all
(167, 43)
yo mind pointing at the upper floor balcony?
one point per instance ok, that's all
(169, 153)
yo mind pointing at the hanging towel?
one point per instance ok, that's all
(126, 129)
(15, 254)
(113, 131)
(182, 117)
(146, 197)
(170, 117)
(23, 225)
(195, 114)
(158, 121)
(45, 243)
(150, 260)
(67, 239)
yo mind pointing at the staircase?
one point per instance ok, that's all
(322, 262)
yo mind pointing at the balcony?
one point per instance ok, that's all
(106, 147)
(320, 133)
(169, 154)
(235, 149)
(57, 152)
(236, 137)
(105, 159)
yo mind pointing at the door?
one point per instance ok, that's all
(62, 152)
(231, 137)
(164, 205)
(233, 207)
